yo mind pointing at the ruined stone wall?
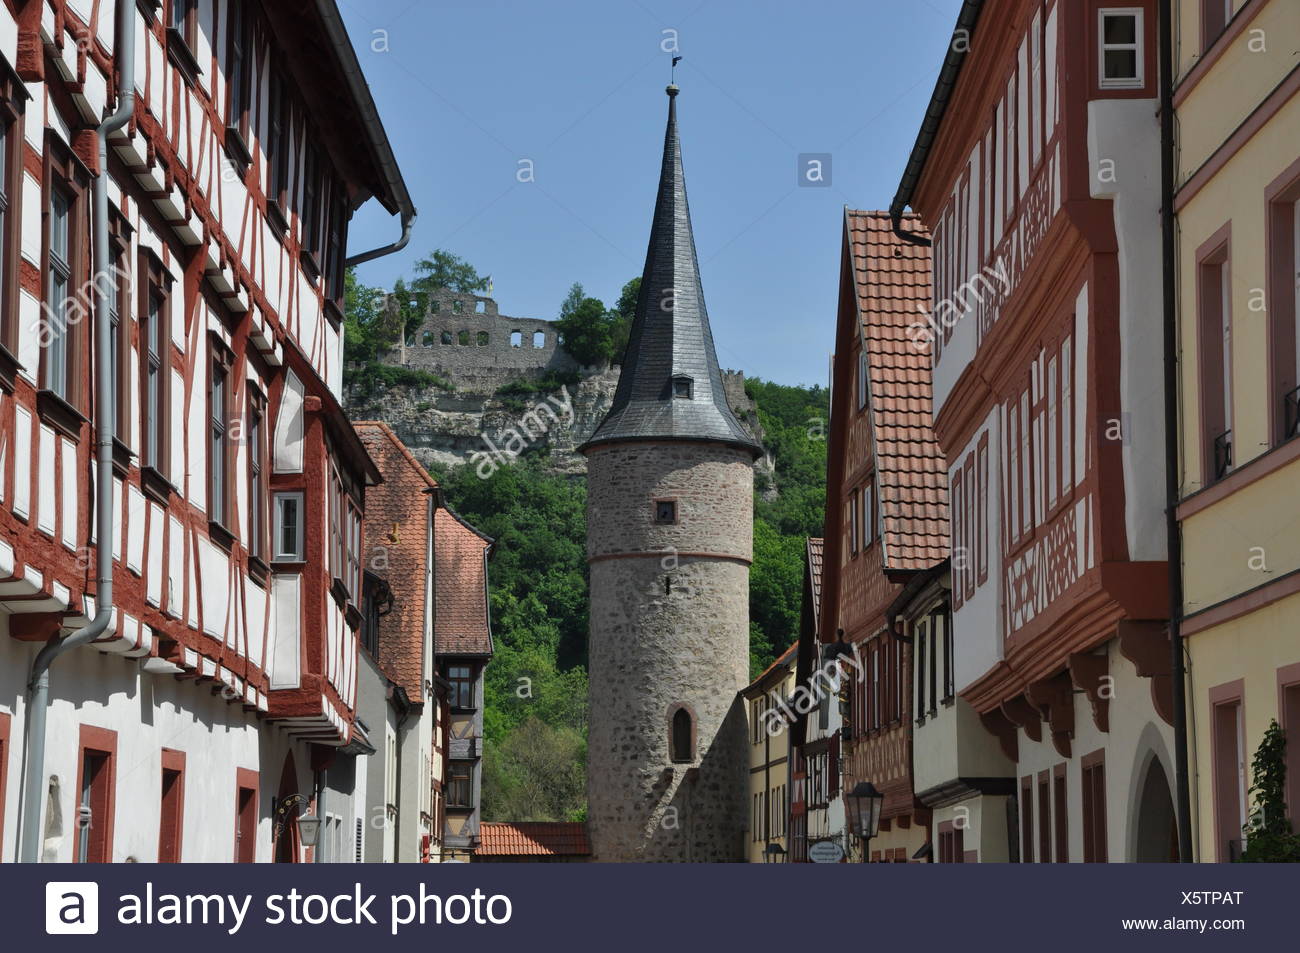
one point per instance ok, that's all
(465, 338)
(669, 628)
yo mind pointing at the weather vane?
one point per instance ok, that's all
(673, 73)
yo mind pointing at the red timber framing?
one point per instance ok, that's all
(1026, 268)
(880, 530)
(218, 286)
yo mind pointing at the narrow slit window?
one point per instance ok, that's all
(683, 736)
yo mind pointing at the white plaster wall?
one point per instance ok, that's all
(1126, 132)
(983, 820)
(978, 623)
(148, 713)
(1136, 733)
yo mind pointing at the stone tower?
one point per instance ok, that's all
(669, 541)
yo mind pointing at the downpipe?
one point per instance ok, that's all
(1173, 531)
(105, 416)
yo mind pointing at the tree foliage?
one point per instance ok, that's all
(588, 327)
(794, 428)
(442, 269)
(536, 773)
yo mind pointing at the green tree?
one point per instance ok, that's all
(626, 311)
(588, 327)
(368, 326)
(442, 269)
(537, 773)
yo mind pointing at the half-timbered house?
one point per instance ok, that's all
(1037, 175)
(172, 338)
(885, 518)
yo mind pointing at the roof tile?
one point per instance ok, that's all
(892, 278)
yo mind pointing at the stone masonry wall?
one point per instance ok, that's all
(465, 338)
(668, 630)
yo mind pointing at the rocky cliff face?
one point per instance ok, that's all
(490, 418)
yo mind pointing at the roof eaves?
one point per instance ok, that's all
(934, 113)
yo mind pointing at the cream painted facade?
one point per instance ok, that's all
(769, 758)
(1238, 179)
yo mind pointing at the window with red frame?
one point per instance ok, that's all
(171, 807)
(345, 536)
(246, 821)
(1094, 808)
(96, 796)
(1283, 198)
(1214, 290)
(1026, 820)
(5, 726)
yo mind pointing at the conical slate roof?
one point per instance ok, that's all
(670, 387)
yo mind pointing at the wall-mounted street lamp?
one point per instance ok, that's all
(308, 823)
(862, 806)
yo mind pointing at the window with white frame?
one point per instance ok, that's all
(1119, 48)
(288, 546)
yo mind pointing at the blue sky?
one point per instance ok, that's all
(468, 88)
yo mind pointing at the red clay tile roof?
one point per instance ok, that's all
(461, 624)
(815, 547)
(892, 278)
(531, 838)
(396, 524)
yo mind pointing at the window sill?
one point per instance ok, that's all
(309, 264)
(275, 215)
(333, 313)
(259, 571)
(339, 590)
(122, 457)
(286, 564)
(155, 485)
(237, 149)
(9, 368)
(59, 414)
(178, 48)
(218, 534)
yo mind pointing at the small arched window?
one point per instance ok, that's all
(462, 339)
(516, 339)
(435, 306)
(458, 306)
(682, 740)
(446, 337)
(483, 339)
(539, 339)
(428, 339)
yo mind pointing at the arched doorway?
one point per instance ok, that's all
(1157, 828)
(286, 845)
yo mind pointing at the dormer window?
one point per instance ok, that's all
(683, 387)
